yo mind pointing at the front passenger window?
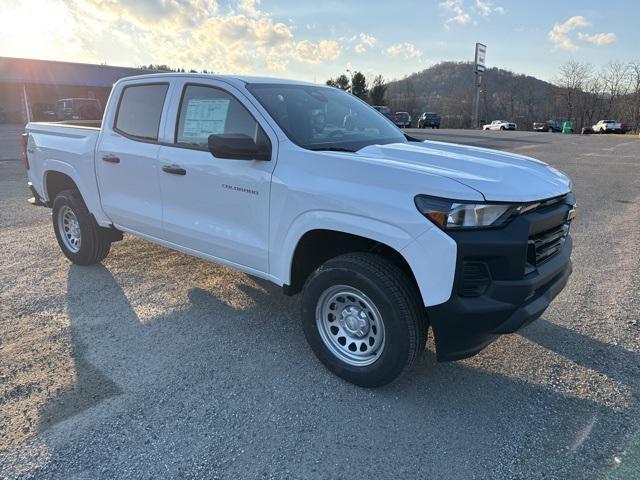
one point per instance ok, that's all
(208, 111)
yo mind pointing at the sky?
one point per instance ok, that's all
(316, 40)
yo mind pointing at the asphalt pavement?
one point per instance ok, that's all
(159, 365)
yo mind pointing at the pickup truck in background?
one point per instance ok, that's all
(607, 126)
(500, 125)
(385, 236)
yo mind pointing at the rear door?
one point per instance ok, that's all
(216, 206)
(127, 158)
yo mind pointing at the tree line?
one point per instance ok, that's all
(588, 94)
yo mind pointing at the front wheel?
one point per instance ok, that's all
(363, 318)
(80, 238)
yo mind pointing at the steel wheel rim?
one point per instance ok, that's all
(69, 229)
(350, 325)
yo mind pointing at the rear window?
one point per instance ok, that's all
(140, 110)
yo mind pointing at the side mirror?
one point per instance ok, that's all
(238, 146)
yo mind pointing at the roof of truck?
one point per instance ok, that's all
(246, 79)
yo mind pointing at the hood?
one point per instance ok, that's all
(498, 176)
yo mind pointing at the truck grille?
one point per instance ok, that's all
(545, 245)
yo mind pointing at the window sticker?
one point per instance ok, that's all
(205, 117)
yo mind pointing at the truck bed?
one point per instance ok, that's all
(63, 147)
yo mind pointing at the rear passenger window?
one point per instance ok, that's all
(140, 110)
(208, 111)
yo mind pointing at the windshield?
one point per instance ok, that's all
(325, 118)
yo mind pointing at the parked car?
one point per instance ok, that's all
(500, 125)
(402, 119)
(384, 236)
(78, 109)
(607, 126)
(625, 128)
(548, 126)
(386, 111)
(429, 119)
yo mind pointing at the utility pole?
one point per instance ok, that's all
(481, 52)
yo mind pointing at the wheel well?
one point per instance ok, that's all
(56, 182)
(317, 246)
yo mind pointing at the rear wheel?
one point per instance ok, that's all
(363, 318)
(80, 238)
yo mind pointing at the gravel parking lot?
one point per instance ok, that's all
(159, 365)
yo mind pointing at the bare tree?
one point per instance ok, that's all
(634, 92)
(571, 79)
(615, 76)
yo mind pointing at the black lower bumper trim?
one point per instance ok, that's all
(465, 324)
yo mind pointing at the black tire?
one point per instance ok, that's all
(398, 301)
(95, 242)
(502, 128)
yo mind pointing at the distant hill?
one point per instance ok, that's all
(447, 89)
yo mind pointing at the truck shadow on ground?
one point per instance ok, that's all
(205, 365)
(614, 361)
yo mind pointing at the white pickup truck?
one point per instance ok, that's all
(312, 189)
(607, 126)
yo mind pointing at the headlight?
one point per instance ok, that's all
(452, 214)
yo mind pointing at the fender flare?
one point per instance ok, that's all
(431, 256)
(370, 228)
(58, 166)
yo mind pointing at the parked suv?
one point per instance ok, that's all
(429, 119)
(78, 109)
(548, 126)
(402, 119)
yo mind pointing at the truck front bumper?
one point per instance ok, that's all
(496, 289)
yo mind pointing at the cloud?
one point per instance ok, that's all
(598, 38)
(560, 34)
(406, 50)
(368, 40)
(249, 7)
(310, 52)
(200, 34)
(486, 8)
(455, 8)
(462, 13)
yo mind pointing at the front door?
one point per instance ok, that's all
(216, 206)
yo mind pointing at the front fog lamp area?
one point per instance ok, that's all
(449, 214)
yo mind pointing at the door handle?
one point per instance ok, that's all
(174, 169)
(111, 159)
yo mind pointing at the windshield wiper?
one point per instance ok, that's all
(332, 149)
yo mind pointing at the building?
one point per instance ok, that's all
(29, 89)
